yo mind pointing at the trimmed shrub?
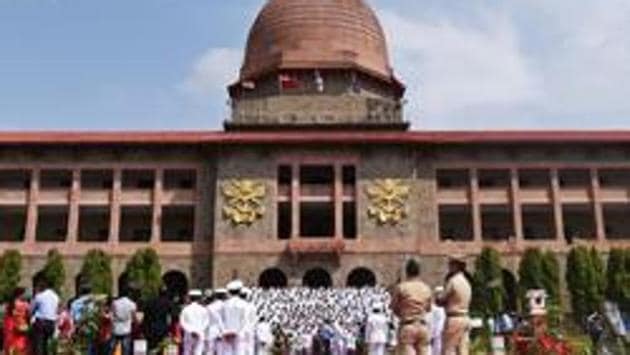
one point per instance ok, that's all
(145, 273)
(550, 277)
(54, 272)
(530, 272)
(489, 292)
(10, 269)
(618, 277)
(97, 272)
(584, 277)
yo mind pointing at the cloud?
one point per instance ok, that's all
(452, 69)
(212, 72)
(534, 64)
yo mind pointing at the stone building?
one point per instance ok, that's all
(316, 178)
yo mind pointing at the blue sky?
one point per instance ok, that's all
(163, 64)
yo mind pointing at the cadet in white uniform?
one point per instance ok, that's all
(215, 326)
(234, 318)
(248, 340)
(264, 337)
(194, 320)
(376, 330)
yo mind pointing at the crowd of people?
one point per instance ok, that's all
(411, 318)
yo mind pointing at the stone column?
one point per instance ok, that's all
(474, 201)
(516, 205)
(557, 205)
(295, 200)
(75, 199)
(338, 200)
(114, 213)
(31, 213)
(598, 212)
(156, 223)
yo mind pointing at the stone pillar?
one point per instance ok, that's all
(114, 212)
(598, 211)
(295, 200)
(338, 200)
(516, 205)
(75, 199)
(474, 201)
(156, 222)
(557, 205)
(31, 213)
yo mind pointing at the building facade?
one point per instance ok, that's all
(316, 178)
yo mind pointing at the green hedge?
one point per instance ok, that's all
(54, 271)
(489, 291)
(97, 272)
(144, 273)
(10, 270)
(585, 281)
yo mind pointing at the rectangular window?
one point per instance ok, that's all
(574, 178)
(453, 178)
(614, 178)
(534, 178)
(135, 223)
(138, 179)
(538, 222)
(15, 179)
(496, 222)
(616, 220)
(494, 178)
(94, 223)
(12, 223)
(317, 201)
(55, 179)
(178, 223)
(579, 221)
(52, 224)
(185, 179)
(97, 179)
(456, 222)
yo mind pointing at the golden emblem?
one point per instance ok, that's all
(243, 201)
(388, 200)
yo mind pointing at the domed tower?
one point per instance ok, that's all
(316, 64)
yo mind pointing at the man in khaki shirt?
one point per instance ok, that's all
(456, 301)
(411, 300)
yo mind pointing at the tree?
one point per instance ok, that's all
(489, 291)
(618, 277)
(584, 277)
(530, 272)
(54, 272)
(145, 273)
(550, 277)
(10, 269)
(97, 272)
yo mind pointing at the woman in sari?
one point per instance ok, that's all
(16, 321)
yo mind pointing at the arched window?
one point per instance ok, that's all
(317, 278)
(176, 283)
(361, 277)
(272, 278)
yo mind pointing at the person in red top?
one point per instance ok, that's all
(105, 328)
(16, 324)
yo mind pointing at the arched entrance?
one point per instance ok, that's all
(272, 278)
(176, 284)
(317, 278)
(361, 277)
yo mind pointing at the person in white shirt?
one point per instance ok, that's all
(44, 310)
(376, 330)
(248, 340)
(215, 325)
(123, 316)
(194, 321)
(264, 337)
(437, 319)
(234, 317)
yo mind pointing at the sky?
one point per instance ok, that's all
(164, 64)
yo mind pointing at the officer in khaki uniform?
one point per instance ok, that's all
(456, 301)
(411, 301)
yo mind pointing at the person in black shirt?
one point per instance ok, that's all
(157, 319)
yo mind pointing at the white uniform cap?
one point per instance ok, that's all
(438, 289)
(235, 285)
(220, 291)
(208, 293)
(378, 306)
(246, 291)
(195, 293)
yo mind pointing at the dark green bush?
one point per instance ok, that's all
(54, 272)
(145, 273)
(97, 272)
(10, 269)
